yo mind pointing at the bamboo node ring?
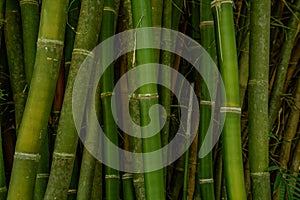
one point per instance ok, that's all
(206, 23)
(112, 176)
(218, 3)
(27, 156)
(127, 176)
(42, 175)
(83, 52)
(237, 110)
(3, 189)
(106, 94)
(110, 10)
(32, 2)
(209, 103)
(207, 180)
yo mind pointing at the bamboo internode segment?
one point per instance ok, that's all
(27, 156)
(33, 2)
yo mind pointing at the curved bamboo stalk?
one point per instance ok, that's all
(30, 27)
(231, 138)
(285, 55)
(13, 40)
(258, 99)
(66, 140)
(38, 106)
(154, 181)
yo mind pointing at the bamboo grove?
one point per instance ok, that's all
(255, 45)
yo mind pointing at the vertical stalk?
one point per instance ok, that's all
(97, 190)
(285, 56)
(227, 58)
(108, 27)
(30, 27)
(154, 181)
(38, 106)
(258, 98)
(66, 141)
(14, 46)
(205, 179)
(2, 19)
(128, 190)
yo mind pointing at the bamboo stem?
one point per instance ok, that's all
(14, 46)
(67, 139)
(231, 138)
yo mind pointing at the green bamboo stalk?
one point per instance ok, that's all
(108, 27)
(66, 141)
(135, 142)
(231, 138)
(128, 190)
(88, 162)
(154, 181)
(73, 15)
(2, 18)
(285, 55)
(13, 40)
(258, 98)
(97, 190)
(38, 106)
(205, 179)
(3, 106)
(72, 190)
(43, 169)
(30, 27)
(244, 57)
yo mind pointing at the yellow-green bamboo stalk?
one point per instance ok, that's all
(66, 141)
(231, 137)
(38, 106)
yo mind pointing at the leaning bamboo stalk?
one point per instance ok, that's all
(38, 106)
(30, 27)
(14, 46)
(108, 27)
(285, 56)
(258, 98)
(66, 140)
(231, 138)
(154, 181)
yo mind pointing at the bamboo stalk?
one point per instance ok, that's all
(128, 191)
(154, 181)
(205, 179)
(108, 27)
(2, 19)
(258, 99)
(13, 40)
(73, 15)
(38, 106)
(30, 27)
(285, 55)
(66, 141)
(97, 190)
(231, 138)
